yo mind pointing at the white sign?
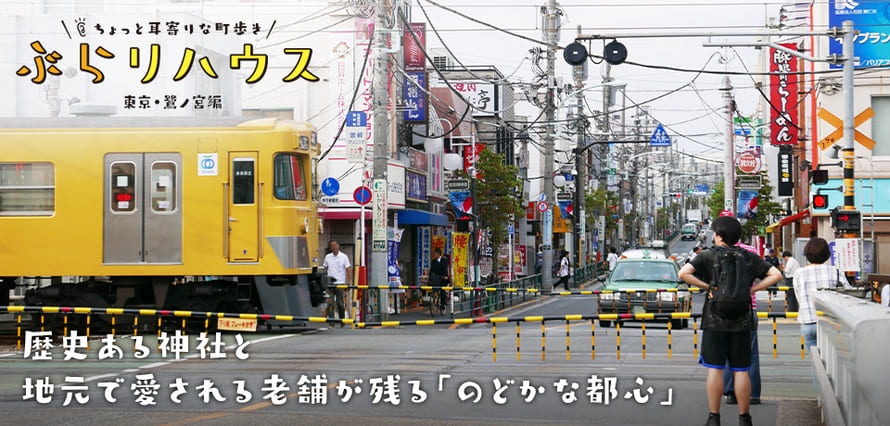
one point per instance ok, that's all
(330, 200)
(485, 97)
(601, 227)
(848, 254)
(378, 196)
(208, 165)
(395, 194)
(355, 145)
(547, 239)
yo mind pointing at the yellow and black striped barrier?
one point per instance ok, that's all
(161, 313)
(429, 288)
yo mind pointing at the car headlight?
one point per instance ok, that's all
(607, 296)
(666, 296)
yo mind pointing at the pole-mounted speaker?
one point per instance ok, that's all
(615, 52)
(575, 54)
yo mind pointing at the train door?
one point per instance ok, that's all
(243, 200)
(142, 205)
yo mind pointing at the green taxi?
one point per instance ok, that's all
(630, 289)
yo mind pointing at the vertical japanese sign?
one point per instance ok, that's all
(519, 260)
(424, 254)
(393, 240)
(356, 123)
(343, 82)
(460, 248)
(471, 156)
(783, 96)
(414, 57)
(847, 254)
(786, 174)
(414, 97)
(547, 231)
(378, 234)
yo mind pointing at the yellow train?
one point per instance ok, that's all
(168, 213)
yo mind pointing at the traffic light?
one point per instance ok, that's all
(846, 220)
(462, 225)
(820, 177)
(820, 201)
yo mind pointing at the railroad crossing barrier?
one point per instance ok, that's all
(851, 360)
(65, 312)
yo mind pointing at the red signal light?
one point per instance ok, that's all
(820, 201)
(124, 197)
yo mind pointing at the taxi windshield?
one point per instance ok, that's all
(644, 271)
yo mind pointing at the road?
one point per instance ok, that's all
(435, 369)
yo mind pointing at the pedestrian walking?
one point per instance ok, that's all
(807, 280)
(791, 268)
(613, 258)
(565, 270)
(338, 267)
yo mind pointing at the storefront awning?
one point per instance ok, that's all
(420, 217)
(788, 220)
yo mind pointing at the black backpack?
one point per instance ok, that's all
(729, 306)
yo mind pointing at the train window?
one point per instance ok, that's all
(242, 180)
(163, 187)
(27, 189)
(290, 180)
(123, 186)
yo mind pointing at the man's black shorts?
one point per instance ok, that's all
(718, 346)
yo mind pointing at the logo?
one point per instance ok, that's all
(207, 164)
(845, 4)
(749, 163)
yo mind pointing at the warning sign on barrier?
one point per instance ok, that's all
(236, 324)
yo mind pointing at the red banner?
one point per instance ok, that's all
(414, 58)
(783, 96)
(470, 159)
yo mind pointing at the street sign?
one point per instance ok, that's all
(378, 232)
(752, 183)
(356, 138)
(564, 196)
(701, 188)
(330, 186)
(458, 185)
(542, 206)
(749, 163)
(362, 195)
(660, 137)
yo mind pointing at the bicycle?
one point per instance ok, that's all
(436, 299)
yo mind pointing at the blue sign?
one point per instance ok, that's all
(701, 188)
(660, 137)
(569, 177)
(748, 204)
(742, 130)
(415, 185)
(870, 18)
(356, 119)
(414, 97)
(330, 187)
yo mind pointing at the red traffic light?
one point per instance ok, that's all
(820, 201)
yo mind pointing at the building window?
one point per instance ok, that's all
(243, 180)
(27, 189)
(290, 181)
(163, 187)
(880, 129)
(123, 186)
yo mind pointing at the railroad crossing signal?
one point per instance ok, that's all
(839, 128)
(820, 201)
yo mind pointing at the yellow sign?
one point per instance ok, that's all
(236, 324)
(460, 248)
(839, 128)
(560, 225)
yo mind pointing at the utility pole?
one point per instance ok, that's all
(728, 152)
(580, 74)
(380, 131)
(551, 36)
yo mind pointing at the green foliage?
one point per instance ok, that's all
(766, 206)
(498, 197)
(601, 202)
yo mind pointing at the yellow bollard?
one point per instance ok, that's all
(543, 342)
(695, 338)
(113, 320)
(88, 331)
(567, 341)
(18, 344)
(494, 342)
(65, 328)
(775, 353)
(592, 339)
(644, 339)
(517, 340)
(801, 347)
(670, 338)
(136, 325)
(41, 322)
(618, 337)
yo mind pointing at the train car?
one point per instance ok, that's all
(168, 213)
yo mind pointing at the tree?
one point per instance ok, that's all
(766, 207)
(498, 198)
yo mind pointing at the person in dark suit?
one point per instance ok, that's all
(439, 274)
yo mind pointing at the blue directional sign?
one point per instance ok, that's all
(742, 130)
(356, 119)
(330, 187)
(660, 137)
(701, 188)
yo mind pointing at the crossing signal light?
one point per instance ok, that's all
(846, 220)
(820, 177)
(463, 224)
(820, 201)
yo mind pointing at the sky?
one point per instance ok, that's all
(692, 111)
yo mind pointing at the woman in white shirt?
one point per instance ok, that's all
(807, 280)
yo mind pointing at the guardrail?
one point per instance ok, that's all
(129, 316)
(852, 360)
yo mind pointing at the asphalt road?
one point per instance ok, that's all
(415, 375)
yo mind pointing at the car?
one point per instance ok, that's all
(628, 289)
(689, 231)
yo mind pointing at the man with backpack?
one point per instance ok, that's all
(727, 273)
